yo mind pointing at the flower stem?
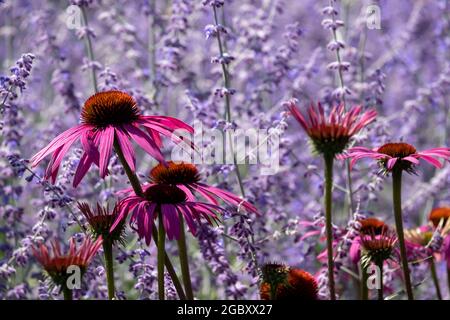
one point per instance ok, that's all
(184, 262)
(138, 191)
(435, 278)
(397, 199)
(67, 293)
(364, 289)
(161, 256)
(381, 288)
(227, 116)
(89, 49)
(329, 228)
(108, 252)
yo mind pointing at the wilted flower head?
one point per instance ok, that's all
(101, 221)
(281, 282)
(399, 156)
(171, 202)
(56, 264)
(378, 248)
(107, 119)
(331, 134)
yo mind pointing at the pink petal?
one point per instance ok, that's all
(127, 148)
(106, 145)
(145, 142)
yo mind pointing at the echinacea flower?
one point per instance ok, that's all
(101, 220)
(378, 248)
(281, 282)
(398, 155)
(110, 119)
(56, 263)
(172, 203)
(187, 177)
(331, 134)
(368, 226)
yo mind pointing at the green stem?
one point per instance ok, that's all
(108, 252)
(67, 293)
(89, 49)
(338, 58)
(161, 256)
(184, 262)
(381, 288)
(329, 228)
(138, 191)
(350, 189)
(397, 199)
(364, 290)
(435, 278)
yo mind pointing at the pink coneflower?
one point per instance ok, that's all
(101, 220)
(171, 203)
(110, 120)
(186, 177)
(330, 134)
(56, 264)
(400, 155)
(376, 249)
(368, 226)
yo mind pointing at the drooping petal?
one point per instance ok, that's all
(431, 160)
(69, 135)
(83, 167)
(391, 163)
(106, 145)
(171, 221)
(145, 142)
(127, 148)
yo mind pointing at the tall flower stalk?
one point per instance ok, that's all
(89, 49)
(397, 204)
(333, 24)
(224, 59)
(132, 177)
(329, 137)
(435, 279)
